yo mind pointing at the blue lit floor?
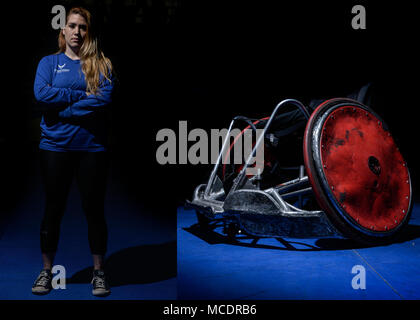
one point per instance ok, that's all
(141, 258)
(210, 267)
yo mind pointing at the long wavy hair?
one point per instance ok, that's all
(93, 61)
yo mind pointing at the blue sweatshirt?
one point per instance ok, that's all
(73, 120)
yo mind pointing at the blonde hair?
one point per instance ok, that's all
(93, 61)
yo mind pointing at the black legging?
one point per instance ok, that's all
(58, 170)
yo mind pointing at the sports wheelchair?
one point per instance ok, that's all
(352, 180)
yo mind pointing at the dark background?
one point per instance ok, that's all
(205, 62)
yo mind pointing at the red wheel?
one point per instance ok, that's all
(357, 172)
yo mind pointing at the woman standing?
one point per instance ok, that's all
(75, 87)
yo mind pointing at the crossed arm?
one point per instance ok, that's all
(51, 97)
(69, 102)
(90, 103)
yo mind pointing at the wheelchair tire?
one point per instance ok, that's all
(357, 172)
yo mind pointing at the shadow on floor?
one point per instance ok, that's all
(211, 236)
(135, 265)
(411, 232)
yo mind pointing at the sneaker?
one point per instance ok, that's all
(100, 284)
(42, 284)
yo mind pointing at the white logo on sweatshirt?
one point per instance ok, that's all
(61, 69)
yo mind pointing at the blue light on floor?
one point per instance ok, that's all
(212, 267)
(141, 258)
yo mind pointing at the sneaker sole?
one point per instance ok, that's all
(101, 293)
(40, 293)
